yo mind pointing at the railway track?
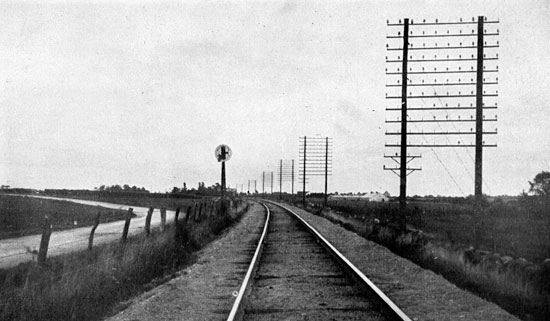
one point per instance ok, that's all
(295, 274)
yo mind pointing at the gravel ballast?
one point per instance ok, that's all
(206, 289)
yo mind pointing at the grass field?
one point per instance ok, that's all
(509, 229)
(20, 216)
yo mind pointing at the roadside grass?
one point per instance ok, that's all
(520, 295)
(524, 294)
(20, 216)
(90, 285)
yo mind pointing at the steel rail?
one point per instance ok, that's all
(384, 304)
(236, 310)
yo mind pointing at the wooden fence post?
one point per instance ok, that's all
(176, 216)
(162, 218)
(148, 220)
(187, 214)
(45, 241)
(201, 211)
(196, 209)
(96, 223)
(127, 224)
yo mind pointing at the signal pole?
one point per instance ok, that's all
(223, 154)
(223, 180)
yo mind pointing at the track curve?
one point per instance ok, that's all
(300, 278)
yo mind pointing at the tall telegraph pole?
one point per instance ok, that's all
(403, 161)
(479, 112)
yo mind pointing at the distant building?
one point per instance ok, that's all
(367, 197)
(376, 197)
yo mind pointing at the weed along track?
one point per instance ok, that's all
(299, 276)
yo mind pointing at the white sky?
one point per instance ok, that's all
(118, 92)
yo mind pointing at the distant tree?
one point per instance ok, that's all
(201, 187)
(184, 189)
(102, 187)
(540, 186)
(175, 190)
(126, 187)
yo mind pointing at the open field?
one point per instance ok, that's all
(136, 199)
(21, 216)
(90, 285)
(509, 229)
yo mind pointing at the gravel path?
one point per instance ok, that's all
(421, 294)
(204, 291)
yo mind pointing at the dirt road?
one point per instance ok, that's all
(16, 250)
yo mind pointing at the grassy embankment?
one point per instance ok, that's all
(20, 216)
(90, 285)
(446, 244)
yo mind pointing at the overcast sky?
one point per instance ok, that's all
(112, 92)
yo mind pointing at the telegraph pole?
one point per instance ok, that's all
(403, 162)
(293, 180)
(326, 171)
(479, 113)
(281, 179)
(304, 175)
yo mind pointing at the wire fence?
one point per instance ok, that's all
(78, 239)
